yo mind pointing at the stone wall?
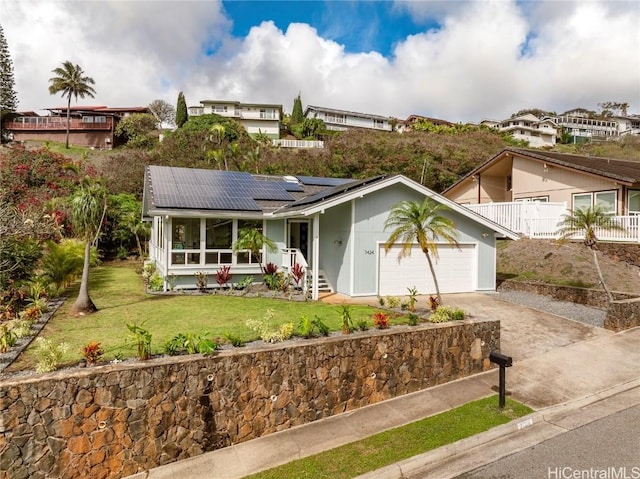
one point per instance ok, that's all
(627, 252)
(623, 315)
(589, 297)
(116, 420)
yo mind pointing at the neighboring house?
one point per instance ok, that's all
(341, 120)
(91, 126)
(256, 118)
(517, 175)
(584, 125)
(628, 125)
(331, 227)
(539, 133)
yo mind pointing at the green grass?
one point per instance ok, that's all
(401, 443)
(118, 292)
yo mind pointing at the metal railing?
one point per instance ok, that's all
(298, 143)
(55, 123)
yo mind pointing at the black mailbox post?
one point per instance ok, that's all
(503, 361)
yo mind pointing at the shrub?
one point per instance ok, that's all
(413, 299)
(413, 319)
(7, 338)
(267, 332)
(175, 345)
(458, 314)
(234, 340)
(270, 268)
(223, 276)
(62, 263)
(141, 338)
(155, 283)
(202, 281)
(31, 314)
(442, 314)
(381, 301)
(380, 320)
(345, 315)
(362, 324)
(48, 355)
(393, 301)
(312, 327)
(244, 282)
(298, 273)
(22, 328)
(92, 352)
(434, 302)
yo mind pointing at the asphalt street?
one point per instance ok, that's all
(608, 448)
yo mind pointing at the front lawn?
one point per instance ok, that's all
(118, 292)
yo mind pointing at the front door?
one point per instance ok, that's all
(299, 237)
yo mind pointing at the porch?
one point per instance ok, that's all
(49, 123)
(541, 220)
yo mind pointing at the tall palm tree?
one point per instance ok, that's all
(70, 80)
(413, 222)
(585, 221)
(88, 209)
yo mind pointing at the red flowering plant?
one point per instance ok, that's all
(92, 352)
(380, 320)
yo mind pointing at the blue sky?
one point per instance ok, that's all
(360, 26)
(462, 61)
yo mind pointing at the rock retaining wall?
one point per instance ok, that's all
(116, 420)
(627, 252)
(623, 315)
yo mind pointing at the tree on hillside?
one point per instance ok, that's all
(88, 207)
(8, 96)
(297, 116)
(70, 80)
(181, 111)
(611, 108)
(164, 113)
(136, 130)
(413, 222)
(585, 222)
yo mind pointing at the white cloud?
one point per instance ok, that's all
(473, 66)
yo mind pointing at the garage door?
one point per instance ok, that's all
(455, 270)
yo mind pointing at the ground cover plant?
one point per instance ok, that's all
(394, 445)
(118, 291)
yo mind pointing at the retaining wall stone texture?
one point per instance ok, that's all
(623, 315)
(115, 420)
(627, 252)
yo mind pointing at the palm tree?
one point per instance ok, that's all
(88, 209)
(70, 80)
(253, 240)
(421, 223)
(585, 221)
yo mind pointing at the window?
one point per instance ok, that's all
(185, 235)
(87, 119)
(267, 114)
(246, 257)
(634, 202)
(378, 123)
(219, 239)
(606, 199)
(508, 183)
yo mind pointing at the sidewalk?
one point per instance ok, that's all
(574, 371)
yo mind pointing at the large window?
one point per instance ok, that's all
(634, 202)
(606, 199)
(219, 241)
(185, 235)
(218, 234)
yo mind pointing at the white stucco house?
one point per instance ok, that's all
(254, 117)
(334, 228)
(537, 132)
(341, 120)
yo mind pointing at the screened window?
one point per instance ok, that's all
(219, 241)
(581, 201)
(607, 200)
(186, 233)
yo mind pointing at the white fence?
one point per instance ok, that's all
(298, 143)
(541, 220)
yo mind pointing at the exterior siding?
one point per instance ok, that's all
(530, 179)
(275, 231)
(335, 225)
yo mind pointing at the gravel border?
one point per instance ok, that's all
(578, 312)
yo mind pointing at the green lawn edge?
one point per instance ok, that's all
(400, 443)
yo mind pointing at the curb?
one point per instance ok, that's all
(454, 459)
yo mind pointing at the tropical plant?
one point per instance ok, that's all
(62, 263)
(392, 301)
(141, 338)
(362, 324)
(223, 276)
(442, 314)
(413, 299)
(88, 209)
(297, 272)
(267, 332)
(252, 240)
(345, 316)
(434, 302)
(92, 352)
(244, 282)
(413, 222)
(380, 320)
(202, 281)
(584, 222)
(7, 338)
(413, 319)
(137, 130)
(48, 354)
(233, 339)
(70, 80)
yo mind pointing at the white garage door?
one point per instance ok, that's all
(455, 270)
